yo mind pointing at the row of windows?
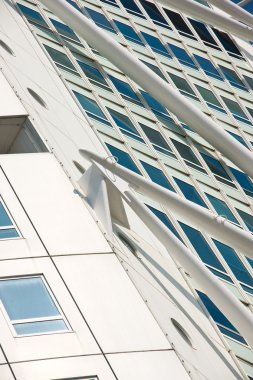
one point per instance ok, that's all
(207, 95)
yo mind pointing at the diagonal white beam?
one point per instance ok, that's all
(216, 226)
(233, 10)
(152, 83)
(238, 315)
(211, 17)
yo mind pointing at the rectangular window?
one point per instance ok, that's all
(190, 192)
(7, 229)
(179, 23)
(187, 154)
(233, 78)
(91, 108)
(158, 141)
(217, 169)
(61, 60)
(94, 75)
(65, 31)
(154, 14)
(183, 86)
(99, 19)
(30, 306)
(123, 158)
(156, 45)
(221, 208)
(131, 7)
(125, 125)
(157, 175)
(208, 67)
(182, 56)
(228, 44)
(204, 34)
(126, 90)
(128, 32)
(222, 322)
(236, 110)
(244, 181)
(210, 98)
(33, 17)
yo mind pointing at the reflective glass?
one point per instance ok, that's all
(186, 152)
(123, 158)
(157, 175)
(4, 218)
(92, 72)
(221, 208)
(61, 59)
(182, 56)
(128, 32)
(244, 181)
(100, 19)
(234, 263)
(125, 89)
(131, 7)
(235, 109)
(228, 44)
(40, 327)
(91, 108)
(165, 220)
(204, 33)
(210, 98)
(201, 247)
(249, 80)
(233, 78)
(215, 166)
(179, 23)
(154, 13)
(156, 45)
(9, 233)
(32, 16)
(183, 86)
(247, 218)
(208, 67)
(25, 298)
(64, 30)
(190, 192)
(123, 122)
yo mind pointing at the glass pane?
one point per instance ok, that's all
(227, 43)
(154, 13)
(132, 7)
(182, 84)
(100, 19)
(182, 56)
(164, 218)
(234, 107)
(247, 218)
(244, 181)
(156, 45)
(215, 166)
(155, 137)
(32, 16)
(232, 77)
(234, 263)
(92, 73)
(186, 152)
(90, 106)
(40, 327)
(25, 298)
(128, 32)
(9, 233)
(208, 96)
(122, 121)
(208, 67)
(123, 158)
(190, 192)
(124, 88)
(203, 33)
(201, 247)
(4, 218)
(59, 57)
(64, 30)
(157, 176)
(221, 208)
(179, 22)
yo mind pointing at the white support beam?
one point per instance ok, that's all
(216, 226)
(211, 17)
(234, 10)
(152, 83)
(237, 314)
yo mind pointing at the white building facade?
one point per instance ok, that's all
(78, 300)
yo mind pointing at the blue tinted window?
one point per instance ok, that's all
(128, 32)
(201, 247)
(183, 86)
(190, 192)
(154, 13)
(132, 7)
(28, 299)
(73, 3)
(234, 263)
(204, 33)
(210, 98)
(236, 110)
(238, 138)
(233, 78)
(220, 318)
(158, 141)
(221, 208)
(155, 69)
(165, 220)
(157, 176)
(7, 230)
(100, 20)
(249, 80)
(125, 90)
(182, 56)
(156, 45)
(208, 67)
(124, 124)
(247, 218)
(61, 59)
(179, 23)
(91, 108)
(32, 16)
(92, 73)
(186, 152)
(215, 166)
(228, 44)
(65, 31)
(244, 181)
(123, 158)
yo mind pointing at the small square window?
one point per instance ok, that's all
(30, 306)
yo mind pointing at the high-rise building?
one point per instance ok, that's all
(87, 288)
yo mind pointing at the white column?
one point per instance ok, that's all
(238, 315)
(216, 226)
(152, 83)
